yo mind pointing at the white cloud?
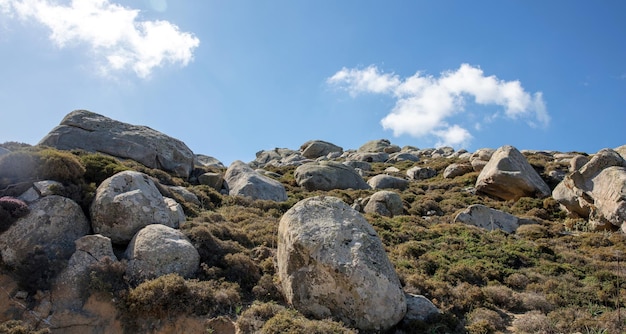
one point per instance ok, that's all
(115, 35)
(424, 104)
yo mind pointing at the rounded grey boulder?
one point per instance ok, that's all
(328, 175)
(331, 263)
(128, 201)
(158, 250)
(54, 223)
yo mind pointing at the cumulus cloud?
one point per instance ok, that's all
(118, 39)
(425, 104)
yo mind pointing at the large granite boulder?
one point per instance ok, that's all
(597, 190)
(128, 201)
(509, 176)
(327, 175)
(159, 250)
(385, 203)
(82, 129)
(53, 224)
(314, 149)
(420, 173)
(208, 161)
(455, 169)
(384, 181)
(331, 263)
(490, 219)
(245, 181)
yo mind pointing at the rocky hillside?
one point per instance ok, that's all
(107, 227)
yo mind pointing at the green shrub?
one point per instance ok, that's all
(99, 167)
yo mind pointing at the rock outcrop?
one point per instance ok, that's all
(72, 284)
(244, 181)
(327, 175)
(52, 225)
(379, 145)
(331, 263)
(509, 176)
(597, 191)
(157, 250)
(128, 201)
(82, 129)
(490, 219)
(314, 149)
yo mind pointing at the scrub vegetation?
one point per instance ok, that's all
(555, 276)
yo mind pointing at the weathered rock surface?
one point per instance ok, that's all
(383, 181)
(420, 173)
(82, 129)
(379, 145)
(490, 219)
(41, 189)
(385, 203)
(509, 176)
(578, 162)
(454, 170)
(331, 263)
(369, 156)
(158, 250)
(314, 149)
(402, 156)
(72, 284)
(213, 180)
(419, 308)
(4, 151)
(208, 161)
(187, 195)
(244, 181)
(597, 190)
(327, 175)
(277, 157)
(480, 158)
(54, 223)
(128, 201)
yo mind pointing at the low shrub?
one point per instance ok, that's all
(252, 320)
(11, 209)
(484, 320)
(99, 167)
(170, 295)
(107, 275)
(533, 322)
(292, 322)
(38, 272)
(20, 327)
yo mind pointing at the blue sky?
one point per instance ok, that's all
(230, 78)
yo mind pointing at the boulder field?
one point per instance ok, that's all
(330, 261)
